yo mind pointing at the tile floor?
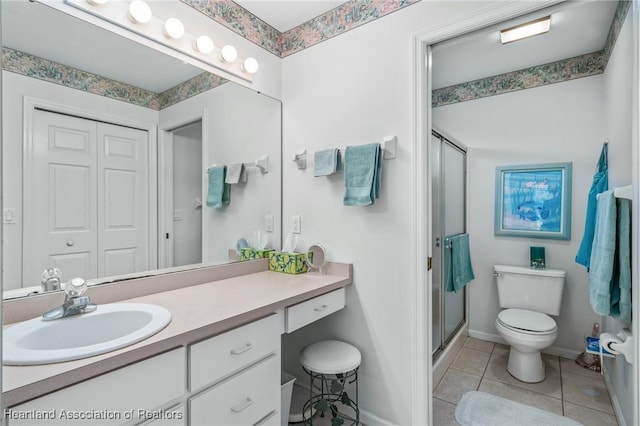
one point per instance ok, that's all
(568, 389)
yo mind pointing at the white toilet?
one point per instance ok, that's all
(528, 296)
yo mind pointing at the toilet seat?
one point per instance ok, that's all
(529, 322)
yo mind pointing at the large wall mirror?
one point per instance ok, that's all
(106, 146)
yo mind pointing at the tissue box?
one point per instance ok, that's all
(251, 253)
(289, 263)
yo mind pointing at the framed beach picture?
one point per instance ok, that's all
(533, 201)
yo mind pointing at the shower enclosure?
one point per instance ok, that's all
(448, 176)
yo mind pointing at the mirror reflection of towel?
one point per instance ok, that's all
(219, 192)
(236, 173)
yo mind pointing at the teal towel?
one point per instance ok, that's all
(603, 254)
(362, 168)
(457, 262)
(326, 162)
(621, 283)
(219, 192)
(600, 184)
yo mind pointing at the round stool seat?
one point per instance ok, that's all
(330, 357)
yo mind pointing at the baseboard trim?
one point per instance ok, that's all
(553, 350)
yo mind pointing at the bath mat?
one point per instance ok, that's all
(483, 409)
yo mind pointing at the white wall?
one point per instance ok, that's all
(355, 89)
(15, 88)
(240, 125)
(551, 124)
(618, 114)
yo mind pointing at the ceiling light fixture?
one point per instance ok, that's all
(139, 12)
(229, 54)
(173, 28)
(528, 29)
(250, 65)
(203, 44)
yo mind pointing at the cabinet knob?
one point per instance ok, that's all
(70, 243)
(320, 308)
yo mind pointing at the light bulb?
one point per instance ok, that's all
(97, 2)
(229, 54)
(203, 44)
(173, 28)
(139, 12)
(250, 65)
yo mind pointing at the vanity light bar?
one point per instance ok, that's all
(528, 29)
(138, 17)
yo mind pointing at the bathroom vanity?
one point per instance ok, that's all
(216, 363)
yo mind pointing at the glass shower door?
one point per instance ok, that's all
(448, 165)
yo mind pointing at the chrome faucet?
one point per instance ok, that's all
(51, 280)
(74, 302)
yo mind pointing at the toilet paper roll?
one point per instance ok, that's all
(606, 339)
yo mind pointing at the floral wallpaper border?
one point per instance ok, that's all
(53, 72)
(568, 69)
(343, 18)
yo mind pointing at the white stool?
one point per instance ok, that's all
(335, 364)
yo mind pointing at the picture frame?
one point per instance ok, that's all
(533, 201)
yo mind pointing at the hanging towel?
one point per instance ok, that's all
(326, 162)
(362, 168)
(600, 184)
(621, 283)
(236, 173)
(603, 254)
(457, 262)
(219, 192)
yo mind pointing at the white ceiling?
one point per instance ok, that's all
(287, 14)
(577, 28)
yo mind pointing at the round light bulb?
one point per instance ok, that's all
(139, 12)
(97, 2)
(203, 44)
(250, 65)
(229, 54)
(173, 28)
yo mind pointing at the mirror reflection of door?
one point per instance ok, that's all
(86, 199)
(187, 195)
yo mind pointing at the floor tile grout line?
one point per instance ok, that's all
(561, 385)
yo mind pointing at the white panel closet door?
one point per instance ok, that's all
(123, 232)
(86, 198)
(61, 200)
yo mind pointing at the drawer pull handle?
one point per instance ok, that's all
(241, 350)
(243, 407)
(320, 308)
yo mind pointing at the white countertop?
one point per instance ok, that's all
(197, 312)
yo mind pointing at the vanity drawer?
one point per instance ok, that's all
(227, 353)
(246, 399)
(304, 313)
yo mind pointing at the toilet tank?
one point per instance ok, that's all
(537, 290)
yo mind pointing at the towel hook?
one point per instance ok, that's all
(301, 159)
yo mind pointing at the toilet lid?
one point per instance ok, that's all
(527, 320)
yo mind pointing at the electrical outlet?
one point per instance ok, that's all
(296, 225)
(268, 222)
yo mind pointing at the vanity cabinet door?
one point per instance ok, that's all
(113, 398)
(249, 398)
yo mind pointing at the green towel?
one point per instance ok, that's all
(457, 259)
(219, 192)
(621, 283)
(603, 254)
(362, 168)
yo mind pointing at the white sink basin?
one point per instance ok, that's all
(110, 327)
